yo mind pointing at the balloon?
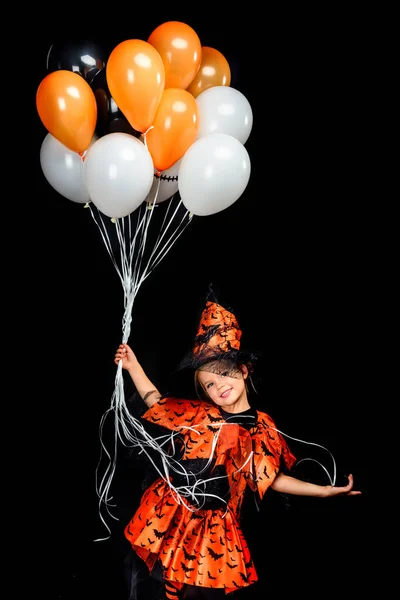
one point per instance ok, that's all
(174, 128)
(63, 169)
(136, 77)
(214, 70)
(224, 109)
(214, 173)
(109, 117)
(118, 173)
(82, 56)
(180, 49)
(67, 108)
(165, 184)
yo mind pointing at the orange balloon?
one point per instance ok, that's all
(180, 49)
(214, 70)
(174, 129)
(67, 108)
(135, 76)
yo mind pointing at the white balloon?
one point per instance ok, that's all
(214, 173)
(166, 185)
(118, 174)
(63, 169)
(223, 109)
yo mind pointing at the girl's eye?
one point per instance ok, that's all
(225, 374)
(208, 385)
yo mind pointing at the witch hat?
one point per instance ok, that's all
(218, 338)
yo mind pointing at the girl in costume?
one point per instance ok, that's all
(187, 528)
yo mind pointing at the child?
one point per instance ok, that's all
(187, 527)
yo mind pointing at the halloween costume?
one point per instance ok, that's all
(188, 522)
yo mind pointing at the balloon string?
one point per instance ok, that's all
(145, 133)
(132, 236)
(332, 478)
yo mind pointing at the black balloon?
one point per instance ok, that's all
(109, 117)
(84, 57)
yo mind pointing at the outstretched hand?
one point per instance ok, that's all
(345, 490)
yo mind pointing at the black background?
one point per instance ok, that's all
(291, 256)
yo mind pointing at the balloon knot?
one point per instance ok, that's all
(113, 220)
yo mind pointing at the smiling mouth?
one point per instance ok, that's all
(226, 393)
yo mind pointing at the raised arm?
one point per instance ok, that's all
(290, 485)
(147, 391)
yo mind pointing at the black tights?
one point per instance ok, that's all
(191, 592)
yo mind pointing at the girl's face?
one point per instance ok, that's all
(225, 385)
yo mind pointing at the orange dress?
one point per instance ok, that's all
(206, 547)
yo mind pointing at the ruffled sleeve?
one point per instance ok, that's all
(271, 454)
